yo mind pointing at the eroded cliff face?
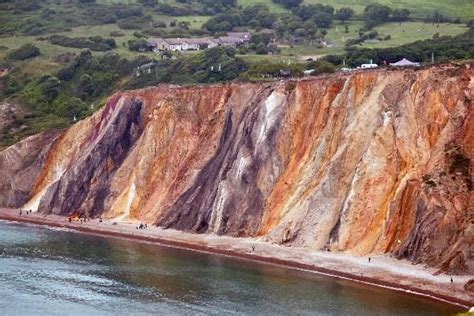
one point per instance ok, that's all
(370, 162)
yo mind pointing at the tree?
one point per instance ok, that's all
(400, 15)
(344, 14)
(323, 19)
(375, 14)
(86, 86)
(138, 45)
(49, 86)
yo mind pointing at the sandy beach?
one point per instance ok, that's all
(381, 271)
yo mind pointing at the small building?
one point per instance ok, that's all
(177, 44)
(405, 63)
(201, 43)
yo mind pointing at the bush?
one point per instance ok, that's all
(26, 51)
(95, 43)
(116, 34)
(321, 67)
(139, 45)
(271, 69)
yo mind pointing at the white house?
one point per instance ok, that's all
(176, 44)
(405, 63)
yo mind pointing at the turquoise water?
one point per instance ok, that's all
(53, 272)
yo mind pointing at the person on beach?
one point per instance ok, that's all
(452, 280)
(253, 247)
(20, 212)
(369, 259)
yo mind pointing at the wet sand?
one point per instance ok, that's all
(381, 271)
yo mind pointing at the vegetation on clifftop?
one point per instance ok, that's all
(60, 59)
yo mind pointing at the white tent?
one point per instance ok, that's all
(405, 63)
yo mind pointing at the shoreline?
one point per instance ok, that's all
(382, 271)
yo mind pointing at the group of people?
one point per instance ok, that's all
(141, 226)
(20, 212)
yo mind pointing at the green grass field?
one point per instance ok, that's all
(400, 34)
(405, 33)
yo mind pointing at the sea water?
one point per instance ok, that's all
(53, 272)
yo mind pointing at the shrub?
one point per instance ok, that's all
(26, 51)
(95, 43)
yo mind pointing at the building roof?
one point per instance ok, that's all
(200, 41)
(176, 41)
(242, 35)
(156, 41)
(232, 40)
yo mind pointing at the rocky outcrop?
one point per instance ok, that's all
(20, 166)
(367, 162)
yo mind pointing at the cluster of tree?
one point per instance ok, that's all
(54, 100)
(318, 14)
(138, 45)
(213, 65)
(95, 43)
(269, 69)
(25, 51)
(256, 16)
(190, 7)
(135, 23)
(437, 17)
(375, 14)
(444, 49)
(303, 21)
(260, 43)
(362, 37)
